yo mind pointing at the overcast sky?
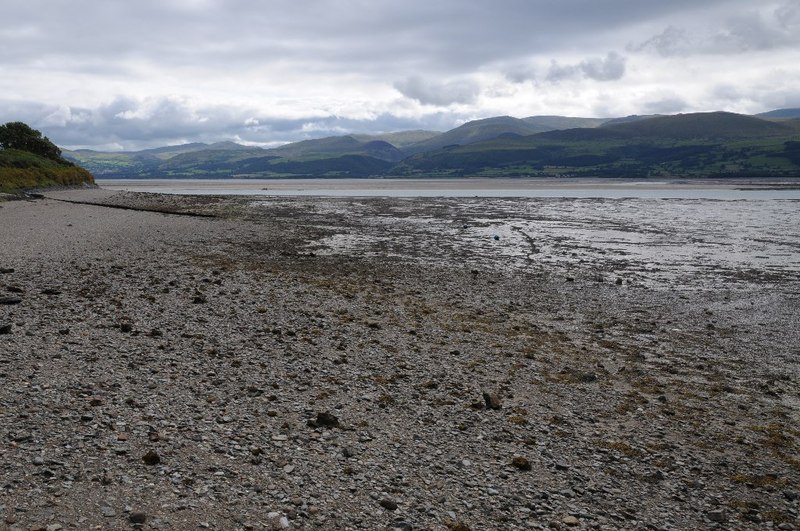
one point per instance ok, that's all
(125, 74)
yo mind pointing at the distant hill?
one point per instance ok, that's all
(717, 143)
(400, 139)
(719, 125)
(690, 145)
(552, 123)
(475, 131)
(781, 113)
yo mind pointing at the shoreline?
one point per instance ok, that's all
(325, 360)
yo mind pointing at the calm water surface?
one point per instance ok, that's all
(577, 188)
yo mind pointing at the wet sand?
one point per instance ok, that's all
(395, 363)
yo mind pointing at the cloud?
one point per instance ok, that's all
(219, 69)
(610, 68)
(131, 124)
(772, 27)
(440, 94)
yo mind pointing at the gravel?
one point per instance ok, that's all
(242, 370)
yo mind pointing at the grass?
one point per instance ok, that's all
(20, 170)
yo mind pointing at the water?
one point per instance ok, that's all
(498, 188)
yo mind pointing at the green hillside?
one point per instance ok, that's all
(703, 144)
(474, 131)
(29, 160)
(699, 144)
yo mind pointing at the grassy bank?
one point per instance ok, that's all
(21, 170)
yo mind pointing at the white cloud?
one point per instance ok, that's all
(156, 71)
(441, 94)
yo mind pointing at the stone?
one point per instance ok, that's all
(570, 521)
(718, 515)
(137, 517)
(277, 521)
(389, 505)
(151, 458)
(108, 512)
(325, 420)
(521, 463)
(492, 400)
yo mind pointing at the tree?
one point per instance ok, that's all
(18, 135)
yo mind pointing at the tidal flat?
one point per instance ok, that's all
(184, 362)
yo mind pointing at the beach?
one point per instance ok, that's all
(185, 362)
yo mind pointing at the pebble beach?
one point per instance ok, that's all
(209, 362)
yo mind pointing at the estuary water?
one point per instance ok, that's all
(476, 187)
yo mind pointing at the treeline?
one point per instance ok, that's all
(30, 160)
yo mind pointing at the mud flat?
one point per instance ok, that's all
(309, 363)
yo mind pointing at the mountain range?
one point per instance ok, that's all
(689, 145)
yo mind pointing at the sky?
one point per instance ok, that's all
(127, 75)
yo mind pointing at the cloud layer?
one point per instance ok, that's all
(126, 75)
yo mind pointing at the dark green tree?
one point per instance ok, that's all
(18, 135)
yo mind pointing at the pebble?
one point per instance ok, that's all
(718, 516)
(570, 521)
(277, 521)
(137, 517)
(108, 512)
(151, 458)
(492, 400)
(521, 463)
(389, 505)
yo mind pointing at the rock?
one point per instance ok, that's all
(492, 400)
(5, 328)
(389, 505)
(325, 420)
(8, 301)
(54, 527)
(348, 452)
(570, 521)
(277, 521)
(108, 512)
(137, 517)
(521, 463)
(718, 515)
(401, 525)
(38, 460)
(561, 465)
(151, 458)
